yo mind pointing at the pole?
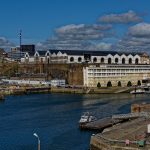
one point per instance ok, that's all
(38, 144)
(38, 140)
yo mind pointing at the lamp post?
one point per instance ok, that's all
(35, 134)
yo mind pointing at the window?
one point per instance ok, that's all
(79, 59)
(109, 60)
(130, 61)
(48, 60)
(94, 59)
(71, 59)
(116, 60)
(123, 60)
(136, 61)
(102, 60)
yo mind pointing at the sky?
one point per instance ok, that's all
(76, 24)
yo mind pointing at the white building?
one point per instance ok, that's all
(115, 73)
(72, 56)
(57, 82)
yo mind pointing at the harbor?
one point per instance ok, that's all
(22, 115)
(132, 132)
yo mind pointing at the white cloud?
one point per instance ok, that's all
(77, 37)
(128, 17)
(140, 30)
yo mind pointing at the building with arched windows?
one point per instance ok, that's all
(78, 56)
(119, 68)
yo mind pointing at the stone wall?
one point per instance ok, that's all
(72, 73)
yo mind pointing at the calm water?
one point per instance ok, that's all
(54, 117)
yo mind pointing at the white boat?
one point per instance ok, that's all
(138, 91)
(86, 117)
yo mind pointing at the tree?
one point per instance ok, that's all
(129, 84)
(139, 83)
(109, 84)
(98, 85)
(119, 83)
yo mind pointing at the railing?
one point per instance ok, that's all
(131, 115)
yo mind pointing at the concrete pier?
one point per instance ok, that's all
(132, 135)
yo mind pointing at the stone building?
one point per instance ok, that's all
(117, 68)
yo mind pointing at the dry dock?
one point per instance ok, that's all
(130, 135)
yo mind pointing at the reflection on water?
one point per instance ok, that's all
(55, 118)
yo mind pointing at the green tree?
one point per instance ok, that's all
(119, 84)
(139, 83)
(98, 85)
(109, 84)
(129, 84)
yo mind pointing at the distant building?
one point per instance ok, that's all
(57, 82)
(102, 68)
(72, 56)
(115, 74)
(17, 53)
(28, 48)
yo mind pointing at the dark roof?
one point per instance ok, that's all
(42, 53)
(93, 53)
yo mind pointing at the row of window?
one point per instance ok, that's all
(130, 61)
(119, 70)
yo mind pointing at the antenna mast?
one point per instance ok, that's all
(20, 38)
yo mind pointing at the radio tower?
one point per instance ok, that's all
(20, 40)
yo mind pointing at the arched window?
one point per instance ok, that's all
(71, 59)
(136, 61)
(48, 60)
(130, 60)
(102, 60)
(116, 60)
(119, 83)
(109, 60)
(123, 60)
(94, 59)
(109, 84)
(79, 59)
(47, 54)
(129, 84)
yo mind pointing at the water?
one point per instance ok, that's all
(54, 117)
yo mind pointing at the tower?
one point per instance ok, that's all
(20, 39)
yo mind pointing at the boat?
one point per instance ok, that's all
(2, 97)
(138, 91)
(86, 118)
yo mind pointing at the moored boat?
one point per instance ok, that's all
(86, 117)
(2, 97)
(138, 91)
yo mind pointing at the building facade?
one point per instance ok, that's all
(117, 75)
(98, 67)
(72, 56)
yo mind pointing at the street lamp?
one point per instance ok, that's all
(35, 134)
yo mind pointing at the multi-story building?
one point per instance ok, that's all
(72, 56)
(115, 74)
(100, 66)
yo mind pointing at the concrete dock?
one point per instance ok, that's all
(131, 135)
(100, 124)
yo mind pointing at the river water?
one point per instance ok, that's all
(54, 117)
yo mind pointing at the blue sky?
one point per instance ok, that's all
(45, 22)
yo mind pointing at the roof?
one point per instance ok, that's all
(93, 53)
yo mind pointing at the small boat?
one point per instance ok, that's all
(138, 91)
(2, 97)
(86, 117)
